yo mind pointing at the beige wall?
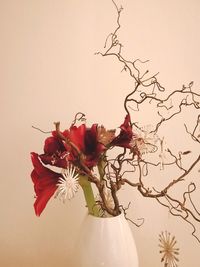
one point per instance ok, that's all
(48, 72)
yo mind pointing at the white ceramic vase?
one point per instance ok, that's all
(105, 242)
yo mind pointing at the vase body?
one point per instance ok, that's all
(105, 242)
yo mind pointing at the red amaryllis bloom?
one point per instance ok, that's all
(125, 135)
(86, 141)
(45, 183)
(54, 152)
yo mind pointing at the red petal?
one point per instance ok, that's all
(52, 145)
(42, 199)
(45, 183)
(125, 135)
(77, 136)
(126, 126)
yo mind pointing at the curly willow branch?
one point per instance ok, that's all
(147, 89)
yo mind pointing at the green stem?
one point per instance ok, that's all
(93, 209)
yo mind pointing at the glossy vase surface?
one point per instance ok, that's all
(105, 242)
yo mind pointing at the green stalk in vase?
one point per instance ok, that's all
(93, 209)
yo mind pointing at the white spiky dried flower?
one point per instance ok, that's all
(168, 249)
(67, 184)
(144, 141)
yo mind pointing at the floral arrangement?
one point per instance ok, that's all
(95, 157)
(76, 151)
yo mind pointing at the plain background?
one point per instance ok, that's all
(48, 72)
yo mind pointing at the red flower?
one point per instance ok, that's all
(86, 141)
(125, 135)
(45, 183)
(54, 152)
(53, 144)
